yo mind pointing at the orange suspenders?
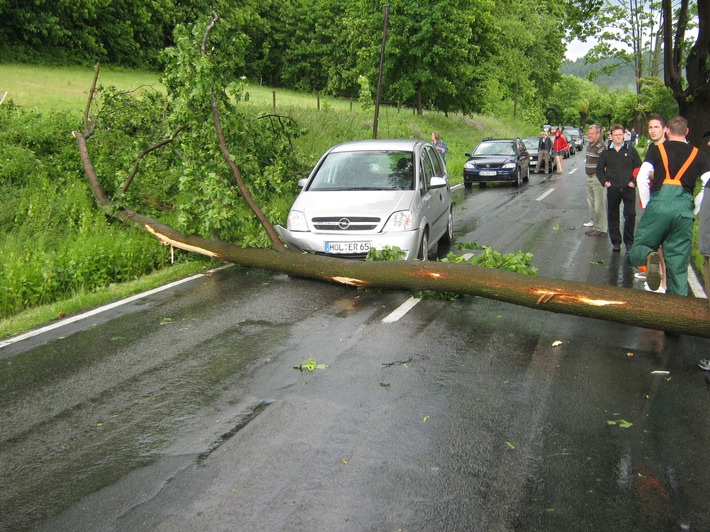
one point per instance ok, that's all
(675, 180)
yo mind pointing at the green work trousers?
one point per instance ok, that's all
(668, 221)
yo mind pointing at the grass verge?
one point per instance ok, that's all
(38, 316)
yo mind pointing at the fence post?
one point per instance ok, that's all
(273, 105)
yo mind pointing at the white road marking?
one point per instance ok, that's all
(695, 285)
(99, 310)
(401, 310)
(572, 171)
(545, 194)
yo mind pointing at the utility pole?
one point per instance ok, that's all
(379, 78)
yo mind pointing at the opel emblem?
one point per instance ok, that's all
(344, 223)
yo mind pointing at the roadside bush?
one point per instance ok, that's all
(55, 242)
(36, 271)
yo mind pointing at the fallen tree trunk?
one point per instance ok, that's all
(675, 314)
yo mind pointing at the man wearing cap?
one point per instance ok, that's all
(669, 216)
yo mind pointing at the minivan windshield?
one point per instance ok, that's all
(365, 170)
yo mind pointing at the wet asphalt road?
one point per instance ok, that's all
(183, 410)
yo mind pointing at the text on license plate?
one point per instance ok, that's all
(488, 172)
(347, 247)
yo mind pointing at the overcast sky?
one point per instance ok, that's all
(577, 49)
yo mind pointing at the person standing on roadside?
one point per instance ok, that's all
(657, 134)
(669, 216)
(616, 170)
(634, 137)
(596, 195)
(559, 146)
(544, 147)
(704, 240)
(440, 145)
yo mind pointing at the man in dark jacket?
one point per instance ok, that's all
(616, 170)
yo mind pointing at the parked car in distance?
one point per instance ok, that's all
(497, 160)
(371, 194)
(572, 147)
(577, 136)
(531, 143)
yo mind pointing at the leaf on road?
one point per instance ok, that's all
(310, 365)
(557, 343)
(622, 423)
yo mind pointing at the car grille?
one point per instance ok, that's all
(343, 223)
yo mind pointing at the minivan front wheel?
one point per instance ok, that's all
(518, 178)
(424, 248)
(448, 236)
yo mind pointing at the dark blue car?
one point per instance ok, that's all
(497, 161)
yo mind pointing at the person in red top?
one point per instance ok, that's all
(559, 147)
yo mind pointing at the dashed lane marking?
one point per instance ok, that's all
(545, 194)
(401, 310)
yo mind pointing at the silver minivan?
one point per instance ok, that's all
(371, 194)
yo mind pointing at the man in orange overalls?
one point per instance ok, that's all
(668, 219)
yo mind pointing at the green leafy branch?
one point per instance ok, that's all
(310, 365)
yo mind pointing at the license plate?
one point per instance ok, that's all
(488, 172)
(347, 247)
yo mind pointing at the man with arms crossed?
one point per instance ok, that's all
(669, 216)
(596, 195)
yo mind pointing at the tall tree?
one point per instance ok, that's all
(630, 34)
(692, 91)
(430, 51)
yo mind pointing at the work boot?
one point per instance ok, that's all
(653, 270)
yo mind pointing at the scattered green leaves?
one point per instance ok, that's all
(598, 261)
(621, 423)
(519, 262)
(310, 365)
(386, 253)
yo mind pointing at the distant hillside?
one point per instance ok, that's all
(623, 77)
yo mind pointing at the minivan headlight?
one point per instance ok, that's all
(509, 165)
(296, 221)
(400, 221)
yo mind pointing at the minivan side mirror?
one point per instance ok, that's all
(302, 182)
(437, 182)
